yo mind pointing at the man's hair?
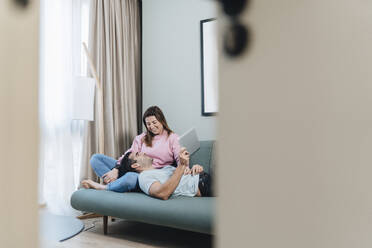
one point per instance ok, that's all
(126, 164)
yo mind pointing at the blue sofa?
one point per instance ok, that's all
(188, 213)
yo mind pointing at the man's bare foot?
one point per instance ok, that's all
(89, 184)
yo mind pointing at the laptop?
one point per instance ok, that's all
(190, 141)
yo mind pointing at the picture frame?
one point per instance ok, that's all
(209, 66)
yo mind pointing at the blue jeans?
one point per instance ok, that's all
(102, 164)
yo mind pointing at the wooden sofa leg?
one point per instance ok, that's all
(105, 220)
(89, 216)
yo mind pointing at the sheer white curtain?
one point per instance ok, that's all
(60, 136)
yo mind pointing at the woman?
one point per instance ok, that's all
(158, 142)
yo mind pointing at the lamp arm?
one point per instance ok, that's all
(101, 148)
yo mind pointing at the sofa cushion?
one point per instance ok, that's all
(188, 213)
(203, 156)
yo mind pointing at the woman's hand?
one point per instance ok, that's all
(111, 176)
(197, 169)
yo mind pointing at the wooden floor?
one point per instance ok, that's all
(127, 234)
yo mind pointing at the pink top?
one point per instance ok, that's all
(165, 149)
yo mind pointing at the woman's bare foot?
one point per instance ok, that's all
(89, 184)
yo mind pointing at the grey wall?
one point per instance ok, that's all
(171, 62)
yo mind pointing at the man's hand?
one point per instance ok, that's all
(196, 169)
(187, 171)
(111, 176)
(184, 157)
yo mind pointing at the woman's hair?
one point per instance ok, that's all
(154, 111)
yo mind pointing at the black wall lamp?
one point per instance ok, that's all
(237, 37)
(21, 3)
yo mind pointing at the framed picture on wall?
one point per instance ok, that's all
(209, 66)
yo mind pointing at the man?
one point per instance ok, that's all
(164, 182)
(169, 181)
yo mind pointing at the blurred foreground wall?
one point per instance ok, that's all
(19, 31)
(295, 128)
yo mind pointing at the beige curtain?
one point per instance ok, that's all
(115, 46)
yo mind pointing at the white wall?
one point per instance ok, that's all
(171, 62)
(300, 172)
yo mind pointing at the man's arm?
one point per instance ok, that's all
(165, 190)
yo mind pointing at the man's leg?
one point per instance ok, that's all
(102, 164)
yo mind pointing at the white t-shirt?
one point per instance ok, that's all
(188, 185)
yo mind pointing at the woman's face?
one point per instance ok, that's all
(153, 125)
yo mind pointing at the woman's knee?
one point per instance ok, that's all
(130, 179)
(94, 160)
